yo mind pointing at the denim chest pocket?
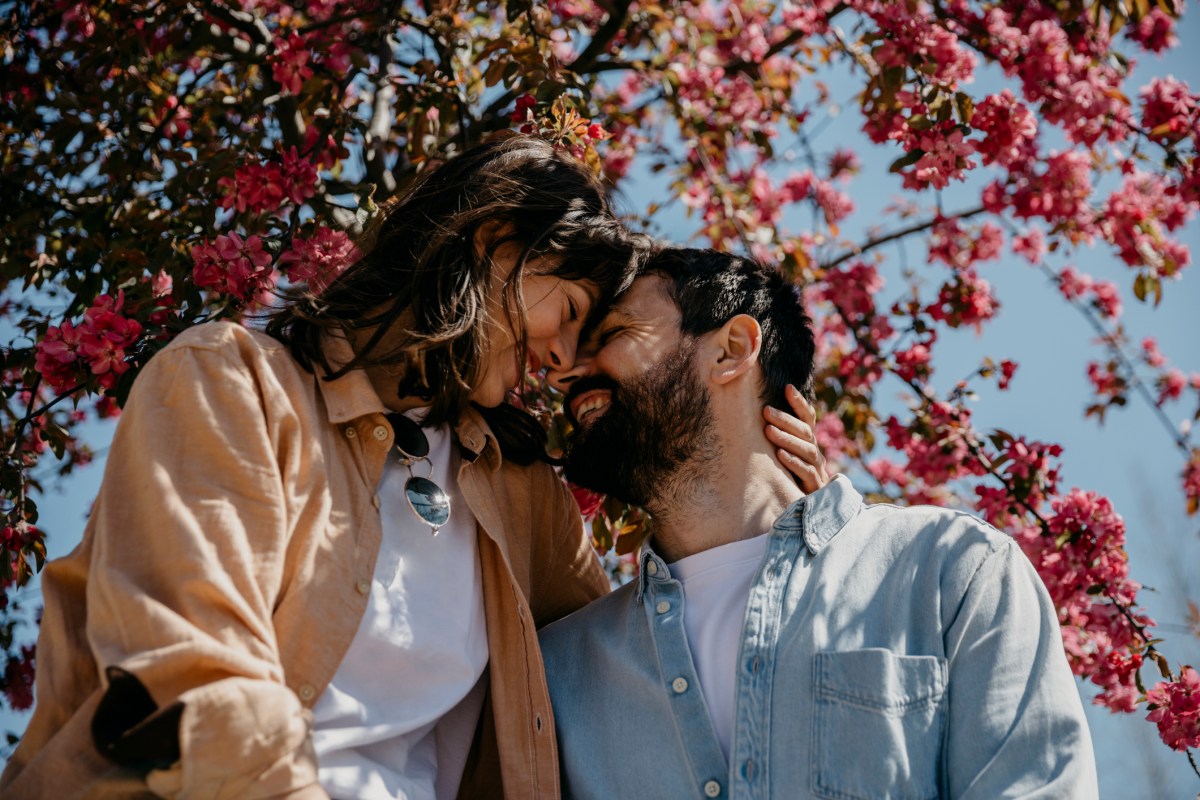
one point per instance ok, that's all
(877, 724)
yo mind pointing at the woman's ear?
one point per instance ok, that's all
(735, 346)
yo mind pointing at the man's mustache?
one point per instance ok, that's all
(587, 384)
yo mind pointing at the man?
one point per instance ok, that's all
(779, 645)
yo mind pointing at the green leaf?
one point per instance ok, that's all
(906, 160)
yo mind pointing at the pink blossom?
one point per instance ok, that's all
(1151, 353)
(965, 300)
(1136, 218)
(913, 363)
(1030, 245)
(588, 501)
(232, 265)
(1175, 709)
(1007, 370)
(1171, 385)
(843, 163)
(1106, 380)
(96, 347)
(320, 258)
(162, 284)
(945, 154)
(1009, 129)
(1168, 109)
(1059, 194)
(289, 65)
(1155, 31)
(830, 433)
(1191, 482)
(298, 176)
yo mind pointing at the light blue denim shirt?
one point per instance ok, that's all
(885, 652)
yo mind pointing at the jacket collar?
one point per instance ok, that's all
(816, 518)
(352, 396)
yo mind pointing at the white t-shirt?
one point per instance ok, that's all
(716, 588)
(397, 720)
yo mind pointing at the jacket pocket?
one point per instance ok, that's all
(877, 724)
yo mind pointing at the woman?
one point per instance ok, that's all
(320, 553)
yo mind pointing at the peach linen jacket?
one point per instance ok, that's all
(226, 565)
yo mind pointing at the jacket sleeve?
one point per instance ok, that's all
(190, 533)
(1016, 725)
(572, 576)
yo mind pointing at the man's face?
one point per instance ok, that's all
(639, 409)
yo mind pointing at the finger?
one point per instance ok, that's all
(786, 422)
(805, 450)
(804, 409)
(807, 476)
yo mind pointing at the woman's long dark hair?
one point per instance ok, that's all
(422, 271)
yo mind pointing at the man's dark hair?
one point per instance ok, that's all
(710, 288)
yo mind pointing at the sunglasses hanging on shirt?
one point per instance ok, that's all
(427, 500)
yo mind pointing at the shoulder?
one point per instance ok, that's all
(594, 625)
(225, 338)
(942, 544)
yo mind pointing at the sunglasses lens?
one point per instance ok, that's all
(428, 501)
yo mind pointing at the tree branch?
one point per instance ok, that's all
(871, 244)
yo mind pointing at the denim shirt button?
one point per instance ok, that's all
(651, 567)
(712, 789)
(662, 607)
(680, 685)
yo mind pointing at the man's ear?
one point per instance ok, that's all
(736, 344)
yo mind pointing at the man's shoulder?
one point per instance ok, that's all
(931, 540)
(595, 623)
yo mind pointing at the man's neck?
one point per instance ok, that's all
(735, 498)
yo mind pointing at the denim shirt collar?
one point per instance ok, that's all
(816, 518)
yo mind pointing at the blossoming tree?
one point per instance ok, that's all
(168, 162)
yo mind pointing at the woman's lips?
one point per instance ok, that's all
(535, 363)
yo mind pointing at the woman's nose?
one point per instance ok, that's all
(561, 379)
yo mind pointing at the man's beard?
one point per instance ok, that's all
(652, 428)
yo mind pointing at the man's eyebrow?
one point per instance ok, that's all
(599, 314)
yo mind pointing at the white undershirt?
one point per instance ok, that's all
(716, 588)
(397, 720)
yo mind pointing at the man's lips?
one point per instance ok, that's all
(590, 406)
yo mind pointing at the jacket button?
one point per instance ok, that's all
(380, 432)
(351, 433)
(375, 501)
(307, 693)
(362, 587)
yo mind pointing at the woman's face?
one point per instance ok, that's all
(555, 310)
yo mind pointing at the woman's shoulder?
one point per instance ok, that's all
(224, 336)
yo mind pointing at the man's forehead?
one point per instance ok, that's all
(647, 299)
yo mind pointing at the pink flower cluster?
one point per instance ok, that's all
(1103, 295)
(1009, 130)
(234, 266)
(1169, 110)
(289, 65)
(318, 259)
(913, 38)
(936, 444)
(260, 188)
(68, 354)
(1059, 194)
(1135, 219)
(1191, 482)
(1175, 709)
